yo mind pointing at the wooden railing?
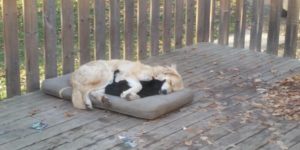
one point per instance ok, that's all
(131, 29)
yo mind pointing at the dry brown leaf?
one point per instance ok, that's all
(283, 98)
(213, 105)
(69, 114)
(34, 112)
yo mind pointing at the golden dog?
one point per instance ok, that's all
(93, 77)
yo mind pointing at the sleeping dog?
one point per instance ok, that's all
(149, 88)
(92, 78)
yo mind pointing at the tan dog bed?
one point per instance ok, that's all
(148, 108)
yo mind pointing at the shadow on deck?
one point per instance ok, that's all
(220, 117)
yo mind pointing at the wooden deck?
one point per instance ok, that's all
(220, 117)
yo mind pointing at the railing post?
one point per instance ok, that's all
(167, 25)
(142, 29)
(179, 18)
(114, 29)
(100, 29)
(224, 22)
(257, 24)
(10, 29)
(240, 24)
(212, 21)
(84, 30)
(67, 35)
(274, 27)
(128, 29)
(203, 12)
(50, 39)
(31, 45)
(292, 26)
(190, 20)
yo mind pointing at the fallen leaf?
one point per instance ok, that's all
(34, 112)
(257, 105)
(69, 114)
(188, 142)
(205, 138)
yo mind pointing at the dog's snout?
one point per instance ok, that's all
(164, 92)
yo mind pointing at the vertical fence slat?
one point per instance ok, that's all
(84, 31)
(50, 39)
(212, 20)
(154, 33)
(142, 29)
(274, 27)
(257, 24)
(292, 26)
(203, 11)
(67, 35)
(179, 18)
(115, 29)
(224, 22)
(200, 20)
(31, 46)
(10, 30)
(128, 29)
(167, 25)
(99, 20)
(240, 24)
(190, 20)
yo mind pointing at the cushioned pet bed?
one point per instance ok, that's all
(148, 108)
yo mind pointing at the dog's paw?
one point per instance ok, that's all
(105, 102)
(124, 95)
(132, 96)
(88, 104)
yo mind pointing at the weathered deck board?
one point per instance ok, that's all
(221, 77)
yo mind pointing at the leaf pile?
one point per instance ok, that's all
(283, 99)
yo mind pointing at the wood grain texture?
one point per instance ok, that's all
(67, 35)
(31, 46)
(10, 33)
(84, 31)
(155, 30)
(190, 21)
(50, 39)
(114, 29)
(128, 29)
(100, 29)
(142, 29)
(240, 24)
(292, 26)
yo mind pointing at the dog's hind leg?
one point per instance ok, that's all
(77, 99)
